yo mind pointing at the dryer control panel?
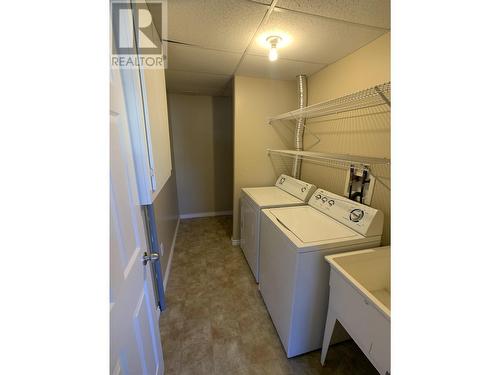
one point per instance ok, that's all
(299, 189)
(365, 220)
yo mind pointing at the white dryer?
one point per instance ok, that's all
(287, 191)
(293, 274)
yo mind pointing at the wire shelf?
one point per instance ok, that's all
(375, 96)
(343, 161)
(340, 160)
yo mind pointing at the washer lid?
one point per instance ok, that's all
(310, 225)
(271, 196)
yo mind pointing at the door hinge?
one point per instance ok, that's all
(153, 179)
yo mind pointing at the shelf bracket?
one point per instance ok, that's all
(382, 95)
(318, 139)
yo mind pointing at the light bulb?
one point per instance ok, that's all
(273, 43)
(273, 53)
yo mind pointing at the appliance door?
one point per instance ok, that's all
(271, 196)
(250, 234)
(310, 225)
(278, 261)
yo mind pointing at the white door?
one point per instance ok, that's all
(134, 330)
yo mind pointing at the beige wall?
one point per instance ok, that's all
(166, 214)
(365, 132)
(366, 67)
(255, 100)
(202, 143)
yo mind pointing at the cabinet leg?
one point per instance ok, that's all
(329, 326)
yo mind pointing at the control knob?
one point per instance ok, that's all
(356, 215)
(282, 179)
(331, 202)
(324, 199)
(318, 196)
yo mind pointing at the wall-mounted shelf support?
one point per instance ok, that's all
(384, 97)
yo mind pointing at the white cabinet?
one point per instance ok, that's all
(146, 102)
(155, 107)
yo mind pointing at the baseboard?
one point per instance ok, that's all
(235, 242)
(171, 256)
(205, 214)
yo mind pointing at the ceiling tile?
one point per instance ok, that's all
(314, 39)
(196, 83)
(195, 59)
(218, 24)
(369, 12)
(260, 66)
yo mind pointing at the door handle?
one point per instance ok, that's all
(152, 257)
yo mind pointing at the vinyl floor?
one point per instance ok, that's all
(216, 321)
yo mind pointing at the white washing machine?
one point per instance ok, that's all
(287, 191)
(293, 274)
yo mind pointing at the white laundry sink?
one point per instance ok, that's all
(360, 299)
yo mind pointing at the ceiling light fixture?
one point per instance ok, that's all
(273, 42)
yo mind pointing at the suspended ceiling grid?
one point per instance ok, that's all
(210, 41)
